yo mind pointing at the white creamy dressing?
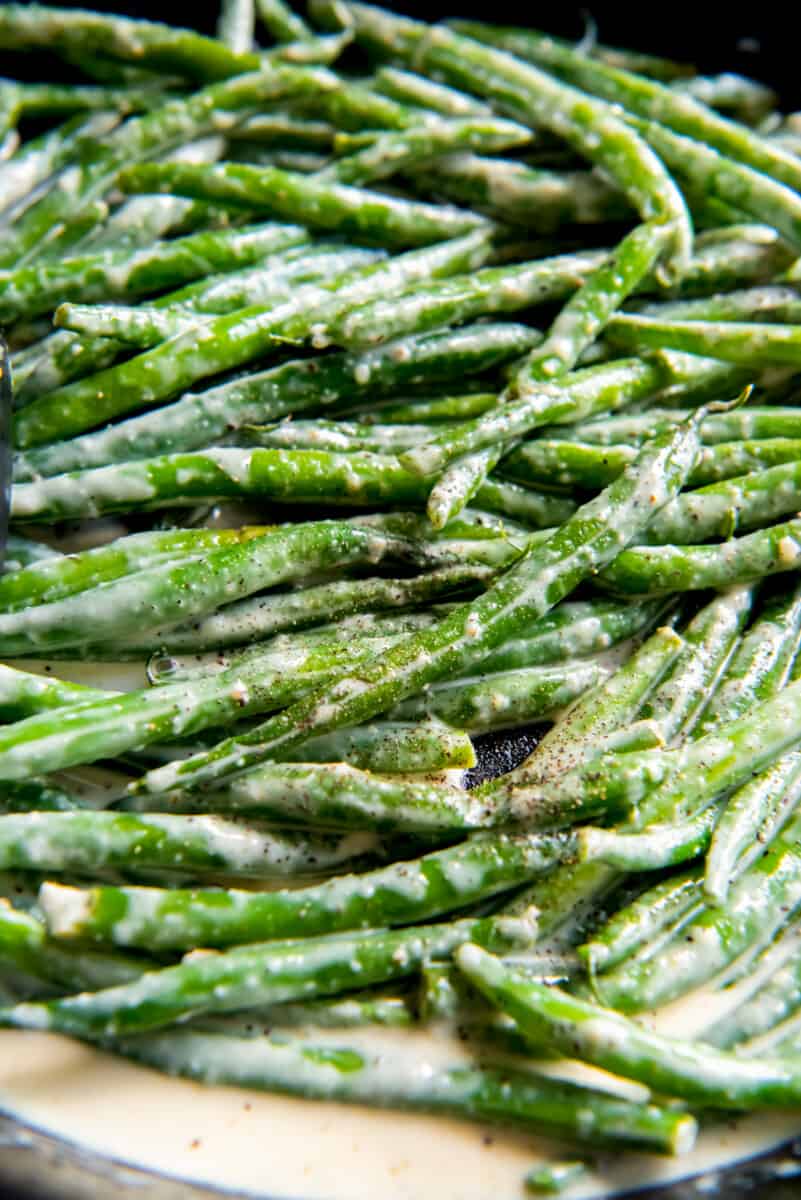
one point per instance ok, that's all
(234, 1138)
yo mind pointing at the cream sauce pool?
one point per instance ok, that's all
(292, 1149)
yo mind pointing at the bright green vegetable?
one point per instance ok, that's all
(543, 577)
(606, 1039)
(229, 341)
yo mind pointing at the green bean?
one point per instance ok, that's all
(60, 358)
(581, 394)
(770, 793)
(24, 944)
(446, 880)
(720, 509)
(431, 408)
(235, 25)
(357, 107)
(784, 1037)
(741, 824)
(584, 315)
(537, 510)
(315, 49)
(747, 99)
(712, 642)
(279, 20)
(74, 228)
(520, 285)
(259, 617)
(270, 284)
(771, 996)
(124, 275)
(355, 1011)
(672, 707)
(572, 630)
(110, 72)
(692, 774)
(545, 461)
(420, 92)
(504, 700)
(284, 129)
(531, 96)
(23, 694)
(643, 920)
(589, 310)
(751, 343)
(613, 56)
(447, 1000)
(145, 43)
(250, 976)
(659, 846)
(54, 99)
(392, 747)
(740, 188)
(569, 900)
(476, 1093)
(491, 290)
(752, 423)
(91, 841)
(57, 576)
(576, 629)
(665, 909)
(156, 132)
(550, 1179)
(458, 484)
(291, 476)
(612, 705)
(136, 223)
(42, 157)
(759, 903)
(173, 592)
(368, 627)
(748, 254)
(299, 162)
(654, 570)
(383, 747)
(227, 292)
(103, 725)
(34, 796)
(539, 200)
(543, 577)
(400, 150)
(318, 204)
(320, 434)
(676, 107)
(606, 1039)
(198, 419)
(772, 302)
(759, 666)
(333, 796)
(228, 341)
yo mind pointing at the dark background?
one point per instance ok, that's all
(758, 39)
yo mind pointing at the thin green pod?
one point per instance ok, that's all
(447, 880)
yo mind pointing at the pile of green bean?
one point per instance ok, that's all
(359, 416)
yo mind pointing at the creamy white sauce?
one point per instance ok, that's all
(239, 1139)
